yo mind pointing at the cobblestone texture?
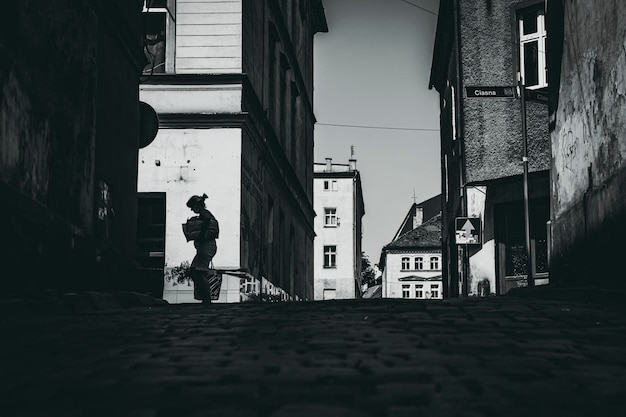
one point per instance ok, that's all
(502, 356)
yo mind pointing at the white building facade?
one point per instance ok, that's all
(339, 208)
(231, 82)
(411, 263)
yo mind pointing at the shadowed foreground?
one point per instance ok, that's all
(390, 358)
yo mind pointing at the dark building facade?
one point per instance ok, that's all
(480, 47)
(69, 136)
(588, 134)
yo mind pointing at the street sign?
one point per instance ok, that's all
(536, 96)
(490, 92)
(467, 230)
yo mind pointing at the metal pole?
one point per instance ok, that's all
(529, 267)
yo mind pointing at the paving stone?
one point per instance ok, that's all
(380, 358)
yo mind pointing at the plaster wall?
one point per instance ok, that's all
(394, 272)
(482, 258)
(193, 98)
(589, 145)
(184, 162)
(341, 278)
(492, 126)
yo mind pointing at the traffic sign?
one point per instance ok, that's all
(468, 231)
(490, 92)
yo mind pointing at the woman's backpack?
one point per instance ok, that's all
(213, 229)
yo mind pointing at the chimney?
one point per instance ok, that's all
(418, 219)
(352, 164)
(329, 164)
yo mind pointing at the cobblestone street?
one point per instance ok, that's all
(501, 356)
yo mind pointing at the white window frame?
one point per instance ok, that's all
(330, 185)
(540, 36)
(419, 263)
(434, 291)
(434, 263)
(406, 263)
(406, 291)
(330, 256)
(419, 290)
(330, 217)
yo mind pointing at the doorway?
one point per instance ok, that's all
(151, 242)
(511, 257)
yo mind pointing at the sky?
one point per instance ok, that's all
(372, 70)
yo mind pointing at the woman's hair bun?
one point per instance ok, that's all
(204, 196)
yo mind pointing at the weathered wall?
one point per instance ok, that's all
(493, 129)
(341, 278)
(56, 100)
(184, 162)
(589, 145)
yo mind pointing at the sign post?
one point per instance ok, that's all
(529, 268)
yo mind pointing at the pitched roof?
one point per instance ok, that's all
(427, 235)
(430, 208)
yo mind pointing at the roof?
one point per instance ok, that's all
(430, 208)
(375, 291)
(318, 17)
(427, 235)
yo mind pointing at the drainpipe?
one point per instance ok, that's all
(454, 290)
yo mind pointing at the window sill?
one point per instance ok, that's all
(330, 267)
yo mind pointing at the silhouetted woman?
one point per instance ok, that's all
(206, 247)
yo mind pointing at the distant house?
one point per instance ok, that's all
(339, 208)
(411, 263)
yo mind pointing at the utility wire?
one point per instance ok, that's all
(377, 127)
(419, 7)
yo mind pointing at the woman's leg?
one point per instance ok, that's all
(201, 285)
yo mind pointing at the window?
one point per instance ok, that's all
(406, 264)
(419, 263)
(419, 290)
(330, 217)
(330, 256)
(406, 288)
(434, 291)
(330, 185)
(158, 24)
(434, 262)
(532, 49)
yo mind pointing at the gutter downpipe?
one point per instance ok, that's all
(463, 291)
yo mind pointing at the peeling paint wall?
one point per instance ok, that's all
(589, 144)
